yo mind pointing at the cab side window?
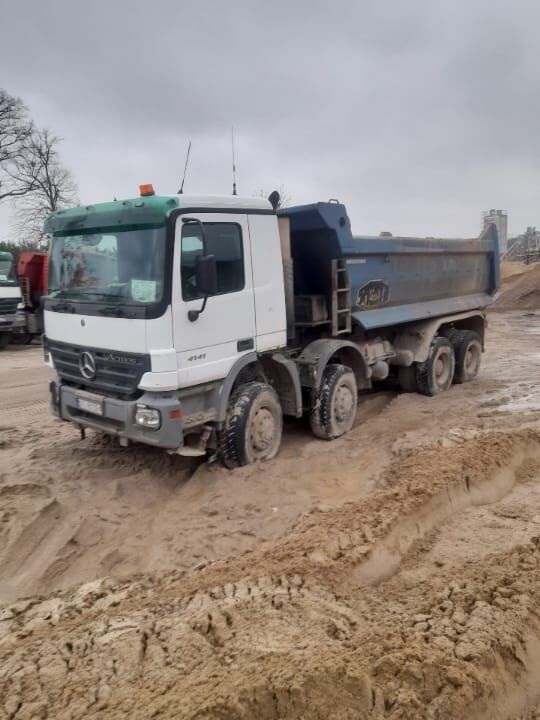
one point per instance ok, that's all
(224, 241)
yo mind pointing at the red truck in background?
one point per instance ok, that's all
(32, 272)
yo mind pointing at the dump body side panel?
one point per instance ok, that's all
(403, 279)
(393, 280)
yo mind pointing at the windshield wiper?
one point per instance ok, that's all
(106, 296)
(65, 294)
(113, 311)
(60, 306)
(79, 294)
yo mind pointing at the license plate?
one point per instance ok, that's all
(95, 407)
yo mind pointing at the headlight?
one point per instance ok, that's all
(147, 417)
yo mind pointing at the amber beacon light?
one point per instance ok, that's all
(146, 190)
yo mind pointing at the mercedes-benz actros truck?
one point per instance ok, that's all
(195, 323)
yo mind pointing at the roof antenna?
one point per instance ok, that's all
(233, 164)
(181, 191)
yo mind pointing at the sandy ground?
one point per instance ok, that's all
(394, 573)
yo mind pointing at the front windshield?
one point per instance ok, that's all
(123, 266)
(7, 274)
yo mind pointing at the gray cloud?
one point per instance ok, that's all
(418, 115)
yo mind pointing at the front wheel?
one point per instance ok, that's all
(4, 340)
(334, 406)
(21, 338)
(253, 426)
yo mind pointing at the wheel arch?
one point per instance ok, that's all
(280, 372)
(475, 323)
(414, 340)
(318, 354)
(226, 387)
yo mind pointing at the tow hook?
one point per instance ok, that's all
(197, 450)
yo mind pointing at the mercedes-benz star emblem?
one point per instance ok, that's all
(87, 365)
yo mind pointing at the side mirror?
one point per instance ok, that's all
(206, 275)
(206, 272)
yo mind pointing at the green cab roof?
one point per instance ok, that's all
(148, 212)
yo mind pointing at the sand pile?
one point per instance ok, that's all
(511, 268)
(520, 287)
(371, 610)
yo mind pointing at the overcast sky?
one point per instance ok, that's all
(416, 114)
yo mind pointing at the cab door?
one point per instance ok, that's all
(207, 348)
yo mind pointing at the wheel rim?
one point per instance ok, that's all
(442, 368)
(471, 362)
(263, 431)
(343, 404)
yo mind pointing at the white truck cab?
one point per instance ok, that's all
(124, 326)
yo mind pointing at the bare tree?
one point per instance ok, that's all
(50, 185)
(15, 131)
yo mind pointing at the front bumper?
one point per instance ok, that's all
(119, 416)
(7, 322)
(19, 322)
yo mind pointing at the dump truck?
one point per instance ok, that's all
(32, 272)
(10, 298)
(196, 323)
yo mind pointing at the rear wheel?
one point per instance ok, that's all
(468, 351)
(334, 407)
(436, 374)
(253, 426)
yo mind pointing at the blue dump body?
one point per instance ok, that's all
(393, 279)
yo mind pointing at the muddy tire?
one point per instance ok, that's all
(407, 378)
(334, 406)
(468, 352)
(435, 375)
(24, 338)
(253, 426)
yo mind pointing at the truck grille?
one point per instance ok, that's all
(8, 306)
(117, 374)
